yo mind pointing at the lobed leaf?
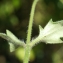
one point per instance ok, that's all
(52, 32)
(11, 38)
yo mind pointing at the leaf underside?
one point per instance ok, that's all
(52, 32)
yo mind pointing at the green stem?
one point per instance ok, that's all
(27, 54)
(31, 21)
(28, 48)
(35, 41)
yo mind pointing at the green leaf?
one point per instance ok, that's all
(12, 36)
(40, 29)
(13, 39)
(12, 47)
(52, 32)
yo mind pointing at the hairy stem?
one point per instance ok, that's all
(31, 21)
(36, 41)
(27, 54)
(27, 49)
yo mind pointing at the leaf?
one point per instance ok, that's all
(40, 29)
(3, 35)
(13, 39)
(12, 47)
(12, 36)
(52, 32)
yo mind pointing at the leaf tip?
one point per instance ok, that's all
(40, 29)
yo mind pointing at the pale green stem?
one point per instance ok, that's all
(36, 41)
(28, 48)
(31, 21)
(27, 54)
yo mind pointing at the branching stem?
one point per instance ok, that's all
(27, 48)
